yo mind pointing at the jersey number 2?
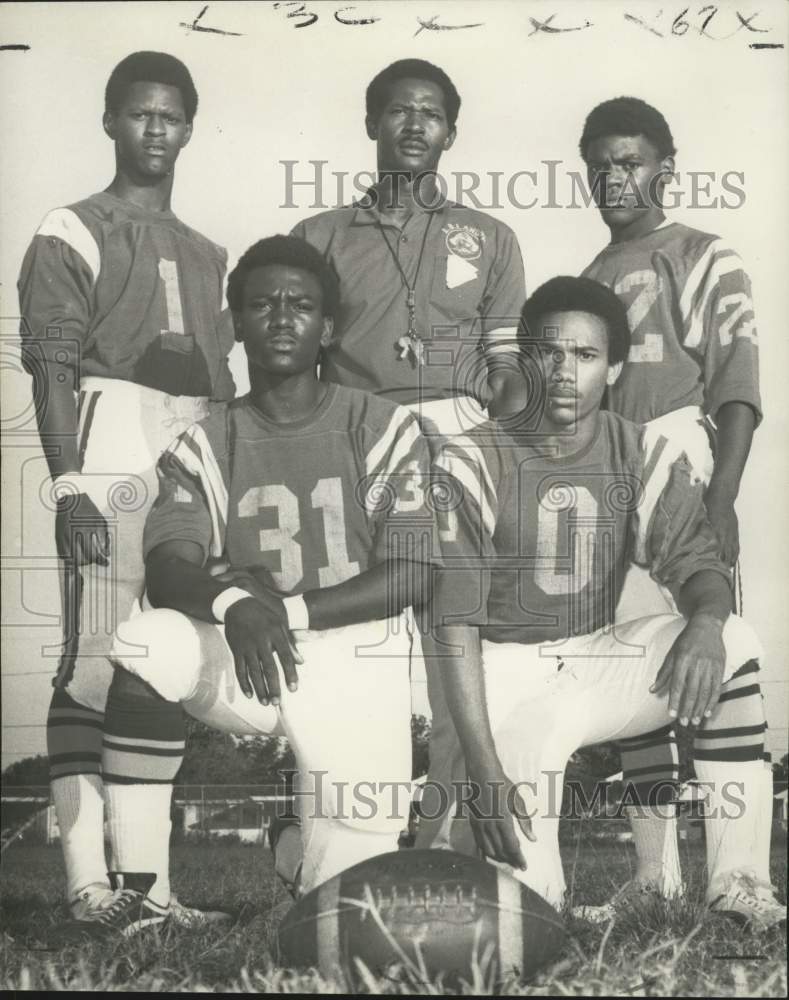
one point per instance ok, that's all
(326, 497)
(648, 285)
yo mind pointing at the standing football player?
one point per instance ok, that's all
(121, 303)
(431, 290)
(693, 359)
(553, 506)
(691, 373)
(314, 494)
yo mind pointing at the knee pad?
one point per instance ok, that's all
(162, 648)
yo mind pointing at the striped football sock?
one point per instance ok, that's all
(144, 740)
(650, 771)
(74, 748)
(729, 760)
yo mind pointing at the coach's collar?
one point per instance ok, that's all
(368, 214)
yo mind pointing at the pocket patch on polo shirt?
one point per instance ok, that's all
(459, 271)
(464, 244)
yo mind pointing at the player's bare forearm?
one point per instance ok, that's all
(736, 423)
(175, 577)
(495, 802)
(56, 415)
(379, 592)
(460, 664)
(706, 593)
(80, 528)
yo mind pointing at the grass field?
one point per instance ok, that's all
(663, 950)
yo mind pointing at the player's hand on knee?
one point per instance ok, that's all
(692, 672)
(257, 640)
(496, 808)
(81, 531)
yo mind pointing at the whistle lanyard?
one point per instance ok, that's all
(411, 342)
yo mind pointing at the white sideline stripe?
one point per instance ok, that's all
(510, 927)
(139, 741)
(328, 919)
(66, 225)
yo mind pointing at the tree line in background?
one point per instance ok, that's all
(214, 758)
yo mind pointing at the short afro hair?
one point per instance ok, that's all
(628, 116)
(411, 69)
(285, 251)
(567, 294)
(150, 67)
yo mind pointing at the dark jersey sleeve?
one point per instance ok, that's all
(189, 506)
(672, 536)
(55, 298)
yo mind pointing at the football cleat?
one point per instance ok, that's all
(91, 898)
(632, 894)
(746, 899)
(125, 912)
(192, 918)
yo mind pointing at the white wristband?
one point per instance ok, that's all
(226, 600)
(298, 615)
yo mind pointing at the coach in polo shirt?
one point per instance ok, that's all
(431, 293)
(431, 290)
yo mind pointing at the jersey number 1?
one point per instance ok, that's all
(168, 272)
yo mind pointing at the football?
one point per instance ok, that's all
(436, 907)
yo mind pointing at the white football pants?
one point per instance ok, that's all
(349, 723)
(542, 711)
(124, 428)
